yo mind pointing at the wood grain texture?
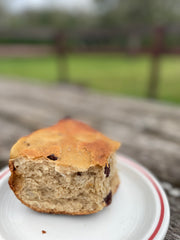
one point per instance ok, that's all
(149, 131)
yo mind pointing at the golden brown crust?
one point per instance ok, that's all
(11, 178)
(74, 144)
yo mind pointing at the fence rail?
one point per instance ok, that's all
(127, 40)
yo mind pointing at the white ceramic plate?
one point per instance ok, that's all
(139, 211)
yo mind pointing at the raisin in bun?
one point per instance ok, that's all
(68, 168)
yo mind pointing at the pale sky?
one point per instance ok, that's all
(20, 5)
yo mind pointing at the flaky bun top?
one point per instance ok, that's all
(67, 143)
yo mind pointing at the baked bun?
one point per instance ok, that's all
(68, 168)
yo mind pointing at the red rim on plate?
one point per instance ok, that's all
(148, 176)
(4, 173)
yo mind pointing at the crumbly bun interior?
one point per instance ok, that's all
(45, 187)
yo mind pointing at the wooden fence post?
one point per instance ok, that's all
(61, 51)
(156, 52)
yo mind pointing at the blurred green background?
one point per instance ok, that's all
(115, 74)
(109, 46)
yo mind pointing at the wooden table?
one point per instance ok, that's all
(149, 131)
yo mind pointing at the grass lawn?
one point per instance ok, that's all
(118, 74)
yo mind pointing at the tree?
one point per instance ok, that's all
(148, 12)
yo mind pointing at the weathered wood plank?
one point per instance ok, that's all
(149, 131)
